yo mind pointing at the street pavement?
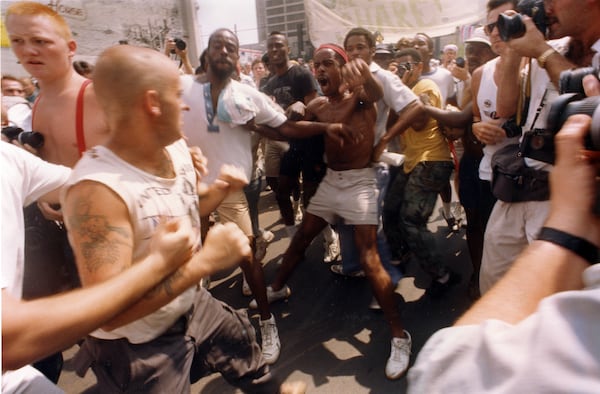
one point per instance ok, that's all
(330, 339)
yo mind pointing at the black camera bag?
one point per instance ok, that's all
(513, 181)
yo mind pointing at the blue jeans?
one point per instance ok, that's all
(349, 252)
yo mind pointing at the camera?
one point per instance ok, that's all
(180, 44)
(511, 128)
(403, 68)
(539, 143)
(32, 138)
(460, 62)
(512, 26)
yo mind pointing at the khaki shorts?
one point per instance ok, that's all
(350, 195)
(234, 208)
(274, 150)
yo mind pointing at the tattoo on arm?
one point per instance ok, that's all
(166, 285)
(99, 240)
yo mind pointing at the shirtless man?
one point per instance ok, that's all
(348, 173)
(44, 45)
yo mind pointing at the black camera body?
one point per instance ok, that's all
(512, 128)
(539, 144)
(32, 138)
(510, 27)
(460, 62)
(180, 44)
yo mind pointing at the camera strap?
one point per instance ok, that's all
(539, 109)
(210, 111)
(524, 99)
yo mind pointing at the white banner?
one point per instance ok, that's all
(330, 20)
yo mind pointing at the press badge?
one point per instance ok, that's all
(210, 113)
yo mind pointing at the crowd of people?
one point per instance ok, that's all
(355, 145)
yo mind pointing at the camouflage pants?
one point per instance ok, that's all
(408, 205)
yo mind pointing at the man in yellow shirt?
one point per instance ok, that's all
(413, 192)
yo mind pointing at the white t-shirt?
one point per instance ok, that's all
(25, 178)
(396, 96)
(556, 349)
(444, 80)
(148, 198)
(231, 144)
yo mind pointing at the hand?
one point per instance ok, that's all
(451, 133)
(532, 43)
(50, 212)
(591, 85)
(461, 73)
(231, 177)
(354, 74)
(225, 245)
(343, 133)
(488, 133)
(173, 242)
(573, 183)
(296, 111)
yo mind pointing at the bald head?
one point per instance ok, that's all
(123, 74)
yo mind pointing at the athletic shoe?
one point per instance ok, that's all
(397, 364)
(205, 282)
(273, 296)
(374, 305)
(437, 288)
(245, 286)
(332, 250)
(267, 235)
(298, 214)
(338, 269)
(270, 340)
(453, 224)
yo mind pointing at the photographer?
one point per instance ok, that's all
(527, 86)
(545, 309)
(178, 48)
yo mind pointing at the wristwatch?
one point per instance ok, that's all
(543, 58)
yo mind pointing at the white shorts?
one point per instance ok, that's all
(350, 195)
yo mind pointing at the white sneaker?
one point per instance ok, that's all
(298, 214)
(267, 235)
(332, 250)
(245, 286)
(397, 364)
(270, 340)
(273, 296)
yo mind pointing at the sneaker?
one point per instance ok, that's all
(270, 340)
(246, 287)
(267, 235)
(296, 387)
(374, 305)
(437, 288)
(205, 282)
(338, 269)
(261, 249)
(453, 224)
(298, 214)
(273, 296)
(397, 364)
(332, 251)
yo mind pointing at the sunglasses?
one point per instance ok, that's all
(489, 28)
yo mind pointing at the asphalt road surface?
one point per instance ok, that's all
(330, 338)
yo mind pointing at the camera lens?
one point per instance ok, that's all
(510, 27)
(11, 132)
(571, 104)
(32, 138)
(460, 62)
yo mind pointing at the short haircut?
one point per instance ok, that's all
(429, 39)
(416, 56)
(361, 31)
(493, 4)
(30, 8)
(221, 30)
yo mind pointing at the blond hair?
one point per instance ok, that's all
(31, 8)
